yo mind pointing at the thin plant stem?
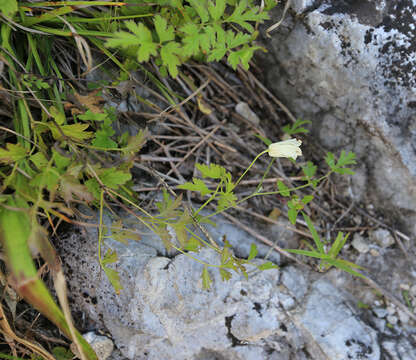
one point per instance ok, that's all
(249, 167)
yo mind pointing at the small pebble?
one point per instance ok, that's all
(412, 291)
(374, 252)
(360, 244)
(244, 110)
(382, 238)
(403, 317)
(377, 302)
(391, 309)
(380, 312)
(357, 219)
(392, 319)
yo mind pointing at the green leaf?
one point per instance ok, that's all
(234, 40)
(136, 142)
(283, 189)
(307, 199)
(212, 171)
(169, 54)
(73, 131)
(192, 244)
(309, 169)
(167, 207)
(197, 185)
(60, 161)
(296, 127)
(58, 116)
(12, 153)
(113, 178)
(141, 37)
(338, 245)
(344, 160)
(39, 160)
(110, 257)
(93, 187)
(226, 200)
(8, 7)
(47, 179)
(267, 266)
(92, 116)
(114, 278)
(225, 274)
(192, 40)
(102, 137)
(345, 266)
(217, 10)
(164, 31)
(60, 353)
(253, 252)
(70, 186)
(266, 141)
(123, 235)
(292, 214)
(314, 233)
(242, 56)
(244, 14)
(206, 279)
(201, 9)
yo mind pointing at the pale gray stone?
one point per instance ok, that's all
(294, 280)
(380, 312)
(360, 244)
(244, 110)
(335, 327)
(382, 237)
(102, 345)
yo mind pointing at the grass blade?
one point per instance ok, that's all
(314, 233)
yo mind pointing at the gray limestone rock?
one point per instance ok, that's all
(350, 67)
(162, 312)
(334, 326)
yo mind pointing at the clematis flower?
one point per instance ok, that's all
(287, 148)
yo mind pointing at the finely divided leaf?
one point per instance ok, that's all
(12, 153)
(197, 185)
(212, 171)
(267, 266)
(191, 42)
(71, 186)
(164, 31)
(169, 54)
(200, 7)
(113, 178)
(206, 279)
(141, 37)
(244, 14)
(217, 10)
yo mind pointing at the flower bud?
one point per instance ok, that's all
(287, 148)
